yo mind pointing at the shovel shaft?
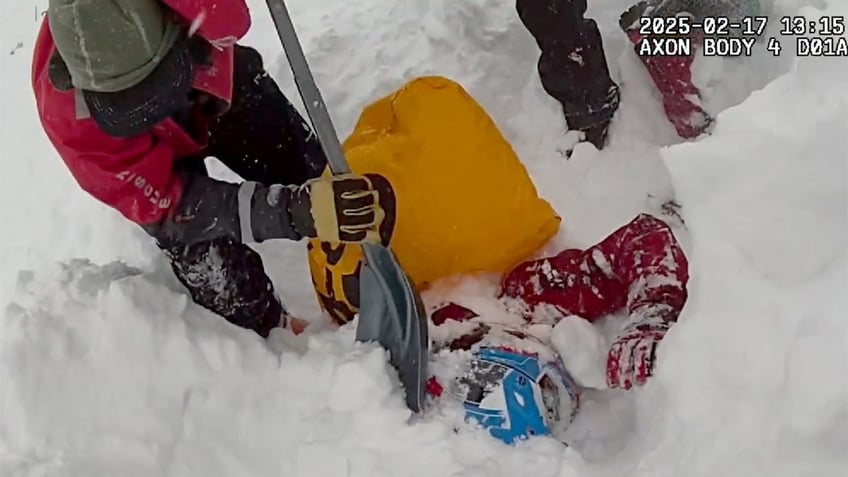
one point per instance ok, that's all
(391, 310)
(313, 101)
(316, 109)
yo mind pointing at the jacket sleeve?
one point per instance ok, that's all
(132, 175)
(137, 177)
(640, 267)
(220, 22)
(247, 212)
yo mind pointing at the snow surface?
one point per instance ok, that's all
(106, 368)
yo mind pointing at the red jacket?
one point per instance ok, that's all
(640, 268)
(136, 175)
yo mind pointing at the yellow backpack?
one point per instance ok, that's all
(465, 202)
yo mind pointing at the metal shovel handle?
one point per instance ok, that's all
(314, 103)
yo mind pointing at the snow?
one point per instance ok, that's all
(107, 368)
(584, 348)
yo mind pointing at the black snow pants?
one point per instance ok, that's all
(262, 138)
(572, 65)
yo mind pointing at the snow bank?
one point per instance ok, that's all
(43, 215)
(108, 369)
(754, 381)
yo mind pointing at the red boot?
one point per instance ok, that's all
(673, 77)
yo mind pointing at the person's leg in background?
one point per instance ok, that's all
(572, 65)
(672, 75)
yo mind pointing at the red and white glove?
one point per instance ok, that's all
(632, 355)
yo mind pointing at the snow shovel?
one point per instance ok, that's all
(391, 312)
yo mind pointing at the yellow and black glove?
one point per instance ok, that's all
(345, 208)
(338, 209)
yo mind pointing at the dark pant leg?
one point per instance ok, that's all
(262, 137)
(226, 277)
(572, 65)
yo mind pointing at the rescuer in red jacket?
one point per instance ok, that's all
(134, 94)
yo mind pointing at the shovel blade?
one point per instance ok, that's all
(392, 314)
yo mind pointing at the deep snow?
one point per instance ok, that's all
(108, 369)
